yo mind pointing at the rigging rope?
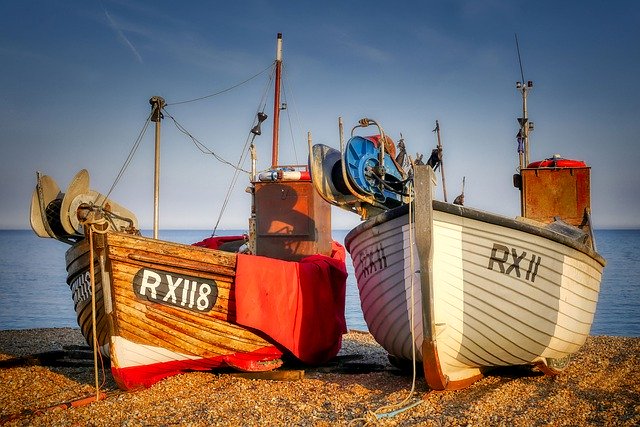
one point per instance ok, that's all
(199, 145)
(289, 94)
(378, 414)
(94, 329)
(223, 90)
(203, 148)
(285, 83)
(129, 158)
(243, 156)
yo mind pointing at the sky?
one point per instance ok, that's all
(76, 78)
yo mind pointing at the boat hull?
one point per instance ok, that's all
(79, 281)
(165, 308)
(502, 292)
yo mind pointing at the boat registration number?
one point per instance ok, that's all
(507, 261)
(178, 290)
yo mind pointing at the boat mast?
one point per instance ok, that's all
(525, 126)
(157, 104)
(444, 186)
(276, 103)
(274, 150)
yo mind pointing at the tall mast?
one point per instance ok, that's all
(276, 103)
(157, 104)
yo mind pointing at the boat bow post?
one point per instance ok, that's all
(424, 179)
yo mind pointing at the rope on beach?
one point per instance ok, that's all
(82, 401)
(387, 411)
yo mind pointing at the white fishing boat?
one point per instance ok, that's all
(458, 289)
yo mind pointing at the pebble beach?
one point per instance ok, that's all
(601, 386)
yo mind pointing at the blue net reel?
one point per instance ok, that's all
(362, 166)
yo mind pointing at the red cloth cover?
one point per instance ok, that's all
(300, 305)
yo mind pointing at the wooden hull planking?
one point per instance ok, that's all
(148, 339)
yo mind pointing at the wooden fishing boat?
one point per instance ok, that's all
(158, 308)
(459, 289)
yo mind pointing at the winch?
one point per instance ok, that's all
(383, 181)
(364, 176)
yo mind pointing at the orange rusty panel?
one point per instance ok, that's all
(551, 192)
(292, 220)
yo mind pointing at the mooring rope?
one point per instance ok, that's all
(91, 227)
(387, 411)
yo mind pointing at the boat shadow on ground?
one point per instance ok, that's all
(74, 362)
(359, 358)
(599, 387)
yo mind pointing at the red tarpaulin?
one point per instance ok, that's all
(300, 305)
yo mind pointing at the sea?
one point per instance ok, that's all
(34, 293)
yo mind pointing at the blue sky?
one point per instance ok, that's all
(77, 77)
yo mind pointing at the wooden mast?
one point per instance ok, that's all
(157, 104)
(291, 221)
(276, 103)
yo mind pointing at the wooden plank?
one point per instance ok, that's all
(186, 265)
(125, 272)
(169, 249)
(121, 258)
(195, 337)
(222, 328)
(163, 334)
(84, 318)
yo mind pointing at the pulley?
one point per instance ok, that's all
(261, 118)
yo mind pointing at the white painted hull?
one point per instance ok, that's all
(487, 312)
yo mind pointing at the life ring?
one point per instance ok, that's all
(557, 162)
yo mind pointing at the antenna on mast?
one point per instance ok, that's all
(276, 103)
(519, 58)
(525, 125)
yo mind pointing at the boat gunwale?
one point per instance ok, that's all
(478, 215)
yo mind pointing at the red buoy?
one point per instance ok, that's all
(557, 162)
